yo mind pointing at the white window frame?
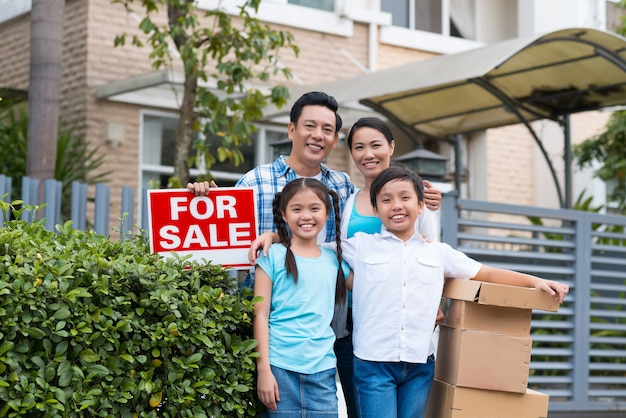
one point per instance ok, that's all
(280, 12)
(262, 151)
(441, 43)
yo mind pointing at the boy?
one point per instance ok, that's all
(397, 287)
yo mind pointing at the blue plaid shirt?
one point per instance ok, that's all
(268, 179)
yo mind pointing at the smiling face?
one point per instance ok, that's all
(306, 214)
(398, 207)
(313, 135)
(371, 151)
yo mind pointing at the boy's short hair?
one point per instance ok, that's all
(396, 173)
(315, 98)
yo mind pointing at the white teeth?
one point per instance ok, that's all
(397, 217)
(316, 147)
(306, 226)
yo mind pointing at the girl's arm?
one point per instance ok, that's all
(267, 388)
(514, 278)
(262, 242)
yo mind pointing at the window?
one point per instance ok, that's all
(445, 17)
(327, 5)
(158, 146)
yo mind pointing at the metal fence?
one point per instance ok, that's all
(579, 353)
(79, 200)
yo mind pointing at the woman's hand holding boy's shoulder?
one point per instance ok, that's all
(432, 196)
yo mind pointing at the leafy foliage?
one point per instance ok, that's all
(13, 142)
(230, 53)
(93, 327)
(609, 147)
(75, 160)
(621, 29)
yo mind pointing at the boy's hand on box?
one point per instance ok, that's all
(440, 317)
(559, 290)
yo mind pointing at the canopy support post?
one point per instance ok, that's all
(567, 157)
(457, 164)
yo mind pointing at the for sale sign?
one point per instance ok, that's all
(218, 227)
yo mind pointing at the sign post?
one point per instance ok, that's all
(218, 227)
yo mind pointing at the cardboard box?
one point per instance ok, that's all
(483, 360)
(448, 401)
(470, 315)
(499, 295)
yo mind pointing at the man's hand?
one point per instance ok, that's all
(200, 188)
(432, 196)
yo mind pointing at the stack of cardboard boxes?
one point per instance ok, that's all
(483, 356)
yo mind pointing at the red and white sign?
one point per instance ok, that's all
(219, 227)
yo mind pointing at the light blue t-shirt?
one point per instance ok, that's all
(300, 337)
(363, 223)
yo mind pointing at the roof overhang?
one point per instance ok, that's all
(518, 80)
(162, 89)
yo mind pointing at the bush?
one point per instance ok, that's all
(91, 327)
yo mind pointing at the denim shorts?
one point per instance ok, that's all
(305, 395)
(392, 389)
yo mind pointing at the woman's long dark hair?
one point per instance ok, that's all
(279, 206)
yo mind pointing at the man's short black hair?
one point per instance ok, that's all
(315, 98)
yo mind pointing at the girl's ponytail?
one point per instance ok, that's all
(340, 288)
(285, 238)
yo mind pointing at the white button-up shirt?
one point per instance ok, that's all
(396, 293)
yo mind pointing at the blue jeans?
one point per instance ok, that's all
(392, 389)
(305, 395)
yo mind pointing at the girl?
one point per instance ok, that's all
(299, 284)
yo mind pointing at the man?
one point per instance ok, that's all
(314, 132)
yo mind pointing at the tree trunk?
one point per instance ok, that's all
(176, 12)
(46, 53)
(184, 130)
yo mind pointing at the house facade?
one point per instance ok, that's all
(120, 103)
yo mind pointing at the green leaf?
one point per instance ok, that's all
(89, 356)
(34, 332)
(6, 346)
(64, 371)
(127, 357)
(62, 313)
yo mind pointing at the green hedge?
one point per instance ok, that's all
(93, 327)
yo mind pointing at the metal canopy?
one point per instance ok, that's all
(557, 74)
(519, 80)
